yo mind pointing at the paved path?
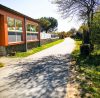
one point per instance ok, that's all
(42, 75)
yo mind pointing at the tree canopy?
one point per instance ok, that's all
(96, 28)
(44, 23)
(48, 24)
(53, 25)
(84, 9)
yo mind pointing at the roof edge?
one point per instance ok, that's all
(16, 12)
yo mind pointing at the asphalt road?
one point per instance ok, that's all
(41, 75)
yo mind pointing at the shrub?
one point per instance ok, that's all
(86, 39)
(1, 64)
(91, 47)
(79, 35)
(85, 49)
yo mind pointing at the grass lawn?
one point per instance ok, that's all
(35, 50)
(88, 69)
(1, 64)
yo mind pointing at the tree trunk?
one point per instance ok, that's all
(46, 31)
(89, 27)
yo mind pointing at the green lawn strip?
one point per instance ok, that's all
(1, 65)
(35, 50)
(88, 67)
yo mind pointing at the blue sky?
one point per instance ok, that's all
(41, 8)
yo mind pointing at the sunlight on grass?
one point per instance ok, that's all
(76, 51)
(1, 65)
(88, 67)
(35, 50)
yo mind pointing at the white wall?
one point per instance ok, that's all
(44, 35)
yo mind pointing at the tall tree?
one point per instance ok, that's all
(48, 24)
(54, 24)
(44, 23)
(96, 28)
(83, 8)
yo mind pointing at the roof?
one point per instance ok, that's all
(16, 12)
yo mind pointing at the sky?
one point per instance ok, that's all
(42, 8)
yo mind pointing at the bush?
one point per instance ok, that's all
(85, 49)
(79, 35)
(91, 47)
(1, 64)
(86, 39)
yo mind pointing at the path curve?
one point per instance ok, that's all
(41, 75)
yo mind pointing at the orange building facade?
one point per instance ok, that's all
(18, 32)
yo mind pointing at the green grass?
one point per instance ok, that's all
(1, 65)
(35, 50)
(89, 68)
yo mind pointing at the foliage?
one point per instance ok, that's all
(83, 27)
(1, 64)
(85, 49)
(44, 23)
(88, 72)
(62, 34)
(80, 33)
(48, 24)
(71, 32)
(84, 9)
(96, 28)
(35, 50)
(53, 25)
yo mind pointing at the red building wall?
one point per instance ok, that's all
(4, 28)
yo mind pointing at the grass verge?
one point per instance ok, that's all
(35, 50)
(88, 72)
(1, 65)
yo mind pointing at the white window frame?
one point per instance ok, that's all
(15, 31)
(31, 32)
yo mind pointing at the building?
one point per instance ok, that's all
(18, 32)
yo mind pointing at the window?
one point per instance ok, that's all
(14, 30)
(28, 36)
(11, 37)
(34, 36)
(11, 24)
(18, 25)
(28, 28)
(33, 28)
(31, 32)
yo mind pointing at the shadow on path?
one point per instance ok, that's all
(44, 78)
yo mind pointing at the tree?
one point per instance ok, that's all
(83, 8)
(83, 27)
(53, 25)
(96, 28)
(95, 34)
(71, 32)
(48, 24)
(44, 23)
(62, 34)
